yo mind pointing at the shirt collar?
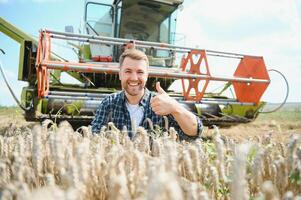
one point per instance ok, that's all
(143, 101)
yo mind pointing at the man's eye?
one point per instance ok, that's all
(140, 72)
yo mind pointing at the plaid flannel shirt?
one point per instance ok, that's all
(113, 109)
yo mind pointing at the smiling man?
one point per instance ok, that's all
(135, 103)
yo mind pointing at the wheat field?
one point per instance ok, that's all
(50, 161)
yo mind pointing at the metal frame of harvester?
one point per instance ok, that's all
(47, 97)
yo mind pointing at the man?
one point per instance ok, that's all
(135, 103)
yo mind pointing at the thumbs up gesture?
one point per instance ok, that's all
(162, 103)
(159, 89)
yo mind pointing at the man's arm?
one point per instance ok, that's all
(186, 120)
(163, 104)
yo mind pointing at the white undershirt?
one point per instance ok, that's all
(136, 113)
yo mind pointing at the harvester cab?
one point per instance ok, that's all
(109, 29)
(142, 20)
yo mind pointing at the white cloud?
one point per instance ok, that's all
(266, 28)
(233, 11)
(3, 1)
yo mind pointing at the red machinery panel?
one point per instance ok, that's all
(254, 68)
(195, 68)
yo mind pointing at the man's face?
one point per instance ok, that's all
(133, 76)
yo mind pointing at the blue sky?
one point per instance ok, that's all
(269, 28)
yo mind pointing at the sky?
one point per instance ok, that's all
(269, 28)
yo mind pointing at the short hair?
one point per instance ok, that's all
(133, 54)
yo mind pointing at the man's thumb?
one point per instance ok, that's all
(159, 89)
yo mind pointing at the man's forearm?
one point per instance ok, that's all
(186, 120)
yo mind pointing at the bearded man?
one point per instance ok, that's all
(135, 103)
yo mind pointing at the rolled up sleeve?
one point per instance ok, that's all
(182, 135)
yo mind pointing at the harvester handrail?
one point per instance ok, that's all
(114, 68)
(147, 43)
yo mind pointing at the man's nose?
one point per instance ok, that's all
(134, 76)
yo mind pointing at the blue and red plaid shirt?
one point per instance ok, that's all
(113, 109)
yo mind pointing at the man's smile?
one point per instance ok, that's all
(133, 84)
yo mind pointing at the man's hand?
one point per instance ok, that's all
(163, 104)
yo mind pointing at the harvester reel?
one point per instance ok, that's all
(195, 68)
(42, 71)
(43, 81)
(253, 68)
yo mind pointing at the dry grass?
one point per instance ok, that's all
(58, 163)
(256, 161)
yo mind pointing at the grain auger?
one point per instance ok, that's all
(249, 81)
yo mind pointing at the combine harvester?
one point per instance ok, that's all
(143, 24)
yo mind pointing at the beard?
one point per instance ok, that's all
(134, 91)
